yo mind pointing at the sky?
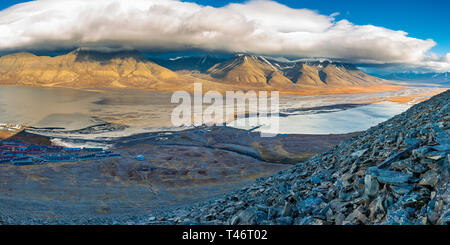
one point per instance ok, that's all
(404, 34)
(420, 18)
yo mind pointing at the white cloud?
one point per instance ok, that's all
(264, 27)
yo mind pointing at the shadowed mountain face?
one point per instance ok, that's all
(190, 63)
(260, 70)
(425, 77)
(83, 55)
(84, 68)
(245, 69)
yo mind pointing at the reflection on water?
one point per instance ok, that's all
(61, 112)
(75, 109)
(334, 122)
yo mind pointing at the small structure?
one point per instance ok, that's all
(140, 158)
(24, 161)
(92, 149)
(4, 160)
(18, 153)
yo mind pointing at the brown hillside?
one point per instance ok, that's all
(249, 70)
(83, 69)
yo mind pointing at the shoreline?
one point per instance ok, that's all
(287, 92)
(283, 93)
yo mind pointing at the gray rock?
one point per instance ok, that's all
(288, 209)
(397, 156)
(359, 153)
(430, 178)
(398, 217)
(250, 216)
(399, 165)
(358, 216)
(389, 177)
(441, 147)
(315, 179)
(411, 141)
(420, 152)
(444, 219)
(417, 168)
(371, 186)
(284, 221)
(313, 201)
(309, 220)
(435, 156)
(432, 212)
(261, 207)
(402, 190)
(275, 212)
(345, 195)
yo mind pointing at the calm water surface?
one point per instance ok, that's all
(142, 111)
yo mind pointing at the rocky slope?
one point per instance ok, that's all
(394, 173)
(179, 168)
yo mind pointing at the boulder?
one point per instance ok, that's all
(402, 190)
(420, 152)
(249, 216)
(359, 153)
(371, 186)
(288, 209)
(430, 178)
(389, 177)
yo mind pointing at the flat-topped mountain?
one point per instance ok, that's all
(87, 68)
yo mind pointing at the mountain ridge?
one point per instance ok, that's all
(81, 68)
(85, 68)
(414, 76)
(259, 69)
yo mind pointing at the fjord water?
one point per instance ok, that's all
(72, 109)
(334, 122)
(143, 111)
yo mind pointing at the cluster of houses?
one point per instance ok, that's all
(10, 127)
(17, 153)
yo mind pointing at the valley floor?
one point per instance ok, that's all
(179, 169)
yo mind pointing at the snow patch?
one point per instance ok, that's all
(176, 58)
(267, 62)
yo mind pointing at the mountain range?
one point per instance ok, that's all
(85, 68)
(422, 77)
